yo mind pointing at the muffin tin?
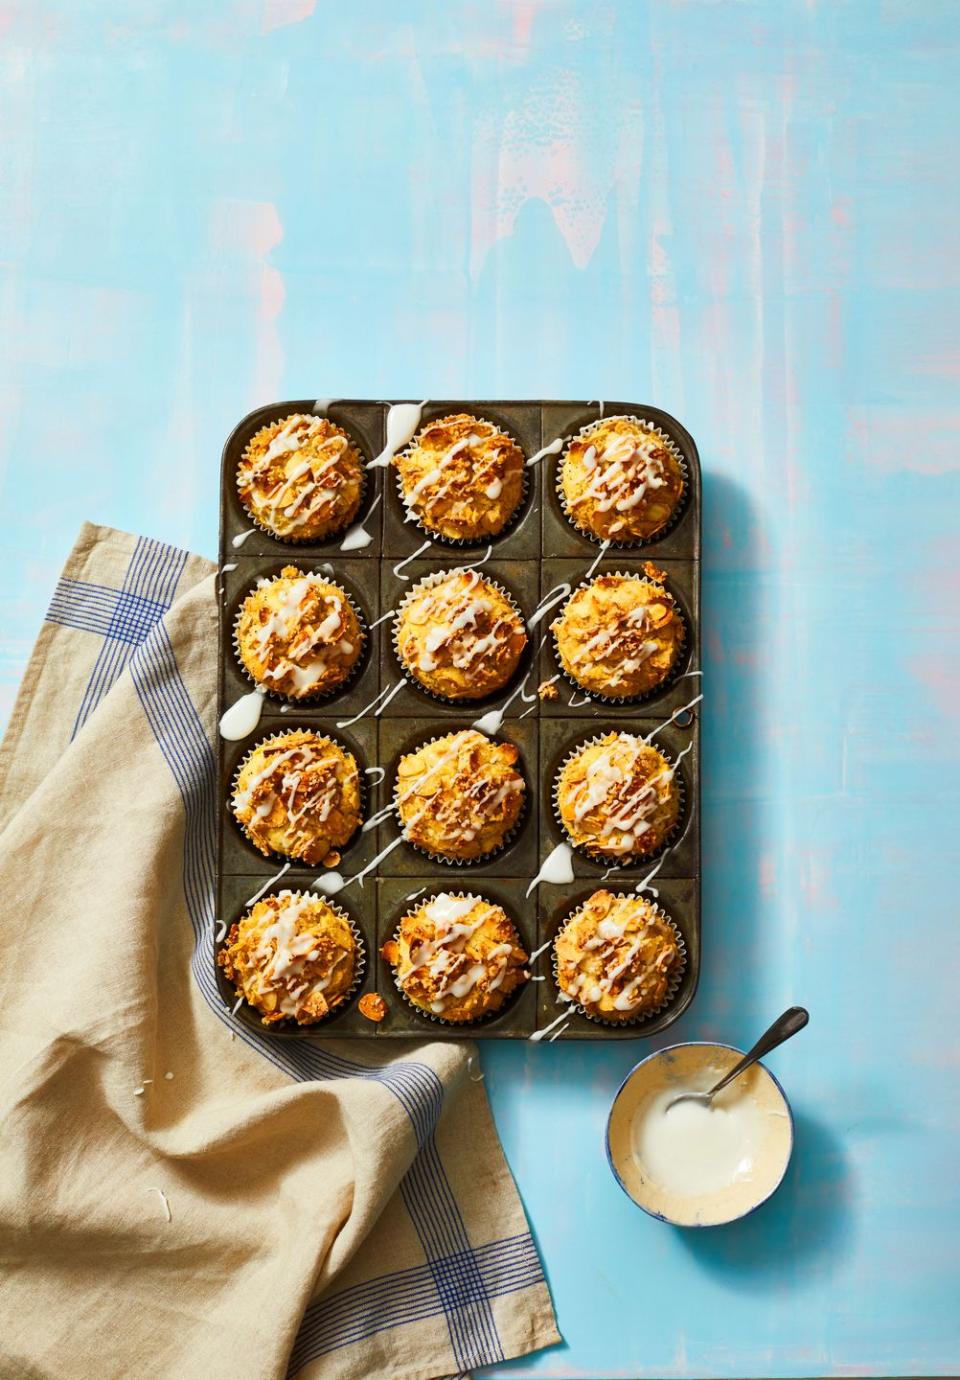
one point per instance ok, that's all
(540, 550)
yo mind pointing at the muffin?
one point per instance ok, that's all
(459, 635)
(298, 635)
(301, 478)
(461, 478)
(459, 797)
(618, 957)
(620, 480)
(619, 636)
(293, 956)
(457, 957)
(618, 798)
(297, 794)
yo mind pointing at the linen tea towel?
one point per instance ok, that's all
(180, 1196)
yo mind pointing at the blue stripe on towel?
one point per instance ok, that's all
(122, 617)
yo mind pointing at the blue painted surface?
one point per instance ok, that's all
(745, 213)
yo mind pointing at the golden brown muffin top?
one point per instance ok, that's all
(618, 797)
(298, 634)
(617, 956)
(301, 477)
(620, 480)
(619, 635)
(461, 477)
(459, 796)
(298, 794)
(460, 635)
(292, 956)
(458, 957)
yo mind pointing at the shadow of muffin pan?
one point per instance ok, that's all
(380, 714)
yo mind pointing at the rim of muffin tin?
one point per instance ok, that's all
(488, 1017)
(642, 1017)
(435, 577)
(635, 543)
(316, 696)
(439, 858)
(670, 679)
(628, 859)
(289, 1027)
(321, 731)
(485, 539)
(338, 531)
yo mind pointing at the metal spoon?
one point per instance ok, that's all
(783, 1027)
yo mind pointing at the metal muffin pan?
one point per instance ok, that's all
(539, 551)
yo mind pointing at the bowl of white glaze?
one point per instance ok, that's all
(688, 1164)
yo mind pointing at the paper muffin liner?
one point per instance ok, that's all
(289, 539)
(673, 986)
(428, 581)
(319, 732)
(628, 859)
(315, 696)
(663, 685)
(289, 1024)
(631, 543)
(484, 538)
(432, 1015)
(442, 858)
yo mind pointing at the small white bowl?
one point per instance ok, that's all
(697, 1066)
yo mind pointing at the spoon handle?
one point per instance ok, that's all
(783, 1027)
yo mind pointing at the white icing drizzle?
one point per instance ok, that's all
(268, 884)
(645, 884)
(242, 717)
(539, 1034)
(168, 1076)
(412, 896)
(688, 674)
(576, 701)
(492, 721)
(402, 422)
(554, 448)
(357, 536)
(241, 537)
(164, 1201)
(407, 559)
(378, 773)
(557, 867)
(323, 405)
(390, 613)
(537, 952)
(229, 565)
(552, 1037)
(329, 883)
(604, 548)
(236, 1005)
(549, 601)
(221, 933)
(676, 714)
(378, 705)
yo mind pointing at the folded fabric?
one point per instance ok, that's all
(179, 1196)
